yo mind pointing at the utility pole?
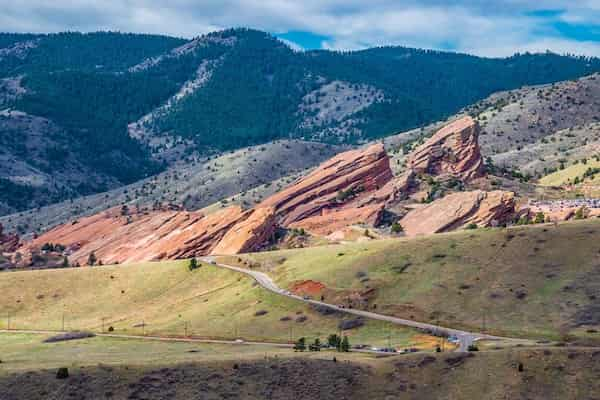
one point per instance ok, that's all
(185, 324)
(8, 321)
(63, 321)
(103, 318)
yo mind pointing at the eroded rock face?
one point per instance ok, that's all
(453, 150)
(248, 234)
(141, 236)
(457, 210)
(8, 242)
(351, 188)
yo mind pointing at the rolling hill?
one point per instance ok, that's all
(536, 282)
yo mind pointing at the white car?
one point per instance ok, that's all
(239, 340)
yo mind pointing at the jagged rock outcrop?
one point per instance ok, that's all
(453, 150)
(459, 209)
(8, 242)
(248, 234)
(350, 188)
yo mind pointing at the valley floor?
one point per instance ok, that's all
(134, 369)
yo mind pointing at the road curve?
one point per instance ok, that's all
(465, 338)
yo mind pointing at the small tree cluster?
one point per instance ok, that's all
(193, 264)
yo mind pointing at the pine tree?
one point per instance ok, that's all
(345, 346)
(92, 258)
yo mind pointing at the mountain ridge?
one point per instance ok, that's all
(127, 106)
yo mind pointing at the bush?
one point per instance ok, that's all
(193, 264)
(300, 344)
(472, 225)
(396, 228)
(473, 347)
(62, 373)
(111, 329)
(260, 312)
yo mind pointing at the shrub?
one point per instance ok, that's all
(300, 344)
(260, 312)
(62, 373)
(92, 259)
(472, 225)
(396, 227)
(473, 347)
(193, 264)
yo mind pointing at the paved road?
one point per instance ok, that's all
(465, 338)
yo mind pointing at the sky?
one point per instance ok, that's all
(483, 27)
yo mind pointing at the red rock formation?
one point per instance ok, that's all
(8, 243)
(351, 188)
(335, 184)
(248, 234)
(143, 236)
(460, 209)
(453, 150)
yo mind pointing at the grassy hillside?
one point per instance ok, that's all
(570, 173)
(162, 298)
(183, 371)
(540, 281)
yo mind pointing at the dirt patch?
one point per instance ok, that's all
(308, 287)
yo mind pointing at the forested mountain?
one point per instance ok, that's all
(82, 113)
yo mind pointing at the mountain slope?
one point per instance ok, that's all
(129, 105)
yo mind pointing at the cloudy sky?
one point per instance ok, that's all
(483, 27)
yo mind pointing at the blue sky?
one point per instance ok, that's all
(483, 27)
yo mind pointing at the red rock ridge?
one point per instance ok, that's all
(457, 210)
(453, 150)
(357, 173)
(141, 236)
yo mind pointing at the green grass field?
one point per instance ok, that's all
(104, 367)
(167, 299)
(28, 352)
(535, 282)
(569, 174)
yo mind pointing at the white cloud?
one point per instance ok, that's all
(491, 28)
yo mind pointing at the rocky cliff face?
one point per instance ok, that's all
(352, 187)
(118, 237)
(457, 210)
(453, 150)
(8, 243)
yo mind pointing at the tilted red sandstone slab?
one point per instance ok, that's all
(453, 150)
(143, 236)
(248, 234)
(336, 191)
(457, 210)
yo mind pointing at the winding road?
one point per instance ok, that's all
(465, 338)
